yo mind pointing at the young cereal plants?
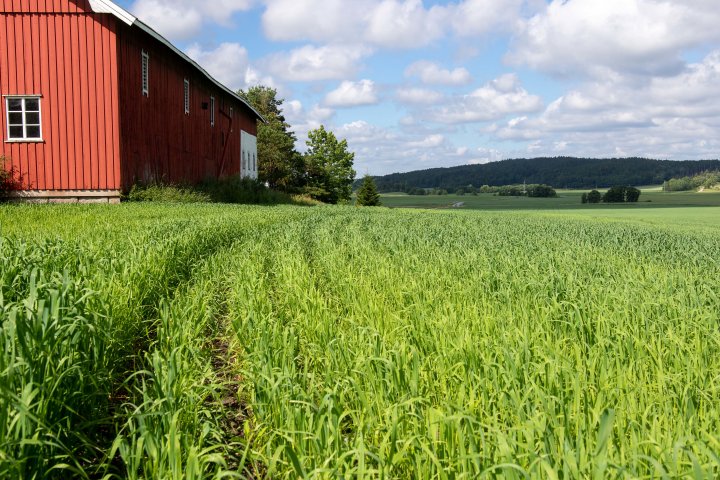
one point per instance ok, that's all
(422, 345)
(204, 341)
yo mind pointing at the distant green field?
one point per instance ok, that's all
(652, 197)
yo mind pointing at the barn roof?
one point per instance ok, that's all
(107, 6)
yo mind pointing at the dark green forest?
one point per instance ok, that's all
(559, 172)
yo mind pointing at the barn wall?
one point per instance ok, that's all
(57, 49)
(160, 143)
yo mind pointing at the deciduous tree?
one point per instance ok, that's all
(329, 167)
(279, 164)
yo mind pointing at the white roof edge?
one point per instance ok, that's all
(106, 6)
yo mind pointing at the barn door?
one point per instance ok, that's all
(248, 155)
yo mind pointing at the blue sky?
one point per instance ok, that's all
(415, 84)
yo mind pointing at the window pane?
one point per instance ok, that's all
(14, 104)
(15, 118)
(32, 118)
(33, 132)
(32, 105)
(16, 132)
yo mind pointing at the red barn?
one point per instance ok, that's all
(94, 101)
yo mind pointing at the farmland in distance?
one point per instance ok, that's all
(161, 341)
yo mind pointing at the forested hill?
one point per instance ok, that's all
(560, 172)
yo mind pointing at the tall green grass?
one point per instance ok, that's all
(202, 341)
(392, 345)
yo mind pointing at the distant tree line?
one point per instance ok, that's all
(560, 172)
(324, 172)
(705, 179)
(617, 194)
(531, 190)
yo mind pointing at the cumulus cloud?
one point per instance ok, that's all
(478, 17)
(333, 21)
(310, 63)
(430, 141)
(384, 23)
(418, 96)
(184, 19)
(433, 74)
(405, 24)
(592, 37)
(230, 65)
(353, 94)
(496, 99)
(662, 117)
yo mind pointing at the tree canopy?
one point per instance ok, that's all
(329, 167)
(559, 172)
(279, 164)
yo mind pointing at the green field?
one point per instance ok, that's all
(209, 341)
(652, 197)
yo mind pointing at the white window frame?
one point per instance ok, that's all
(212, 111)
(145, 74)
(23, 112)
(186, 96)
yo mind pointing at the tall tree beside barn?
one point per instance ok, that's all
(281, 166)
(329, 167)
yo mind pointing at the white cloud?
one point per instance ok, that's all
(662, 117)
(428, 142)
(353, 94)
(418, 96)
(485, 155)
(405, 24)
(479, 17)
(385, 23)
(309, 63)
(230, 65)
(593, 37)
(496, 99)
(431, 73)
(184, 19)
(317, 20)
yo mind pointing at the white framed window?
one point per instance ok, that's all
(254, 163)
(187, 96)
(212, 111)
(24, 123)
(145, 74)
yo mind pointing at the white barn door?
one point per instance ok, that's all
(248, 155)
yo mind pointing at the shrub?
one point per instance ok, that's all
(9, 179)
(632, 194)
(541, 191)
(166, 193)
(614, 195)
(226, 190)
(584, 198)
(594, 196)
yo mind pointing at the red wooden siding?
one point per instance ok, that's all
(57, 49)
(159, 141)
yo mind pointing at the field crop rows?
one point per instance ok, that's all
(199, 342)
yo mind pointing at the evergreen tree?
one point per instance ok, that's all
(279, 164)
(367, 195)
(329, 173)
